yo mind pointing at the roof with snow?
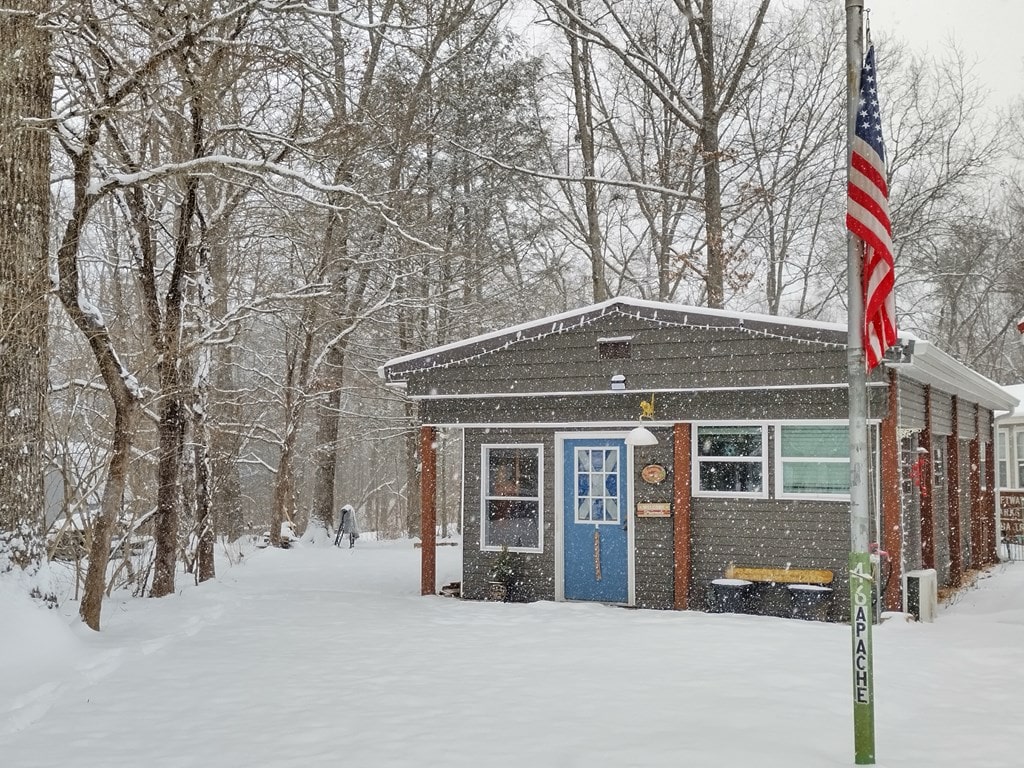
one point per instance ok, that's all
(915, 358)
(661, 313)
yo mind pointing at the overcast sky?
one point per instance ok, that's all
(988, 31)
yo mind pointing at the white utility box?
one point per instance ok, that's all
(921, 594)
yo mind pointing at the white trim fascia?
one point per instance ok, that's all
(619, 392)
(627, 425)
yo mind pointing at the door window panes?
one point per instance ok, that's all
(597, 485)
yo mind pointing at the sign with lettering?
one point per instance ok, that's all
(1011, 512)
(863, 675)
(653, 509)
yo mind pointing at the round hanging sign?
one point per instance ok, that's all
(653, 474)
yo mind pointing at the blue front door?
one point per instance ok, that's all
(595, 519)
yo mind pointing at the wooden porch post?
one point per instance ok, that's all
(927, 503)
(956, 558)
(892, 510)
(977, 498)
(428, 510)
(681, 493)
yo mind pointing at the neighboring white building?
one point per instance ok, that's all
(1010, 443)
(1010, 474)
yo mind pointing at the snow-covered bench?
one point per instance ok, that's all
(786, 575)
(802, 593)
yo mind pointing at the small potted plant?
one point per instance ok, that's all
(504, 575)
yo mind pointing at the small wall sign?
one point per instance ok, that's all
(653, 474)
(653, 509)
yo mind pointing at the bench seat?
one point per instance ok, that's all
(780, 575)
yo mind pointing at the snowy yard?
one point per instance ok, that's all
(319, 656)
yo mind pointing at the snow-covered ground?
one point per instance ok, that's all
(317, 656)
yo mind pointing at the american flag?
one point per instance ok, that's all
(867, 217)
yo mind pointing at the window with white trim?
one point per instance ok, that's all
(1004, 458)
(511, 497)
(1019, 439)
(729, 460)
(983, 465)
(813, 460)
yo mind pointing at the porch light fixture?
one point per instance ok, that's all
(618, 382)
(641, 436)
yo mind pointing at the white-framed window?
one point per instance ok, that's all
(511, 496)
(1019, 444)
(983, 464)
(1003, 452)
(730, 460)
(812, 461)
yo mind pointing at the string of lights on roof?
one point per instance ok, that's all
(561, 326)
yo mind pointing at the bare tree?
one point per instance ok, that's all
(26, 88)
(723, 65)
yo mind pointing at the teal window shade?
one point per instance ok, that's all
(815, 459)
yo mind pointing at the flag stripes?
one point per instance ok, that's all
(867, 217)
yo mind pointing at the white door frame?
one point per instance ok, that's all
(559, 509)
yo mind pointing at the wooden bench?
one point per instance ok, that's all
(779, 575)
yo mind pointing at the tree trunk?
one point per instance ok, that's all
(328, 441)
(579, 52)
(125, 410)
(26, 90)
(225, 417)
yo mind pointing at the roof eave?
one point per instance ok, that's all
(930, 365)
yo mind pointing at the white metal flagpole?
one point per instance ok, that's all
(860, 558)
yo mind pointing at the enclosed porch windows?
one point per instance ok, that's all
(511, 496)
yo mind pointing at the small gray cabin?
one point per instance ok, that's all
(742, 462)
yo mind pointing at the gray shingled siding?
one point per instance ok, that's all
(769, 533)
(538, 568)
(965, 500)
(965, 419)
(985, 424)
(911, 398)
(911, 498)
(940, 506)
(942, 413)
(654, 537)
(624, 408)
(660, 358)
